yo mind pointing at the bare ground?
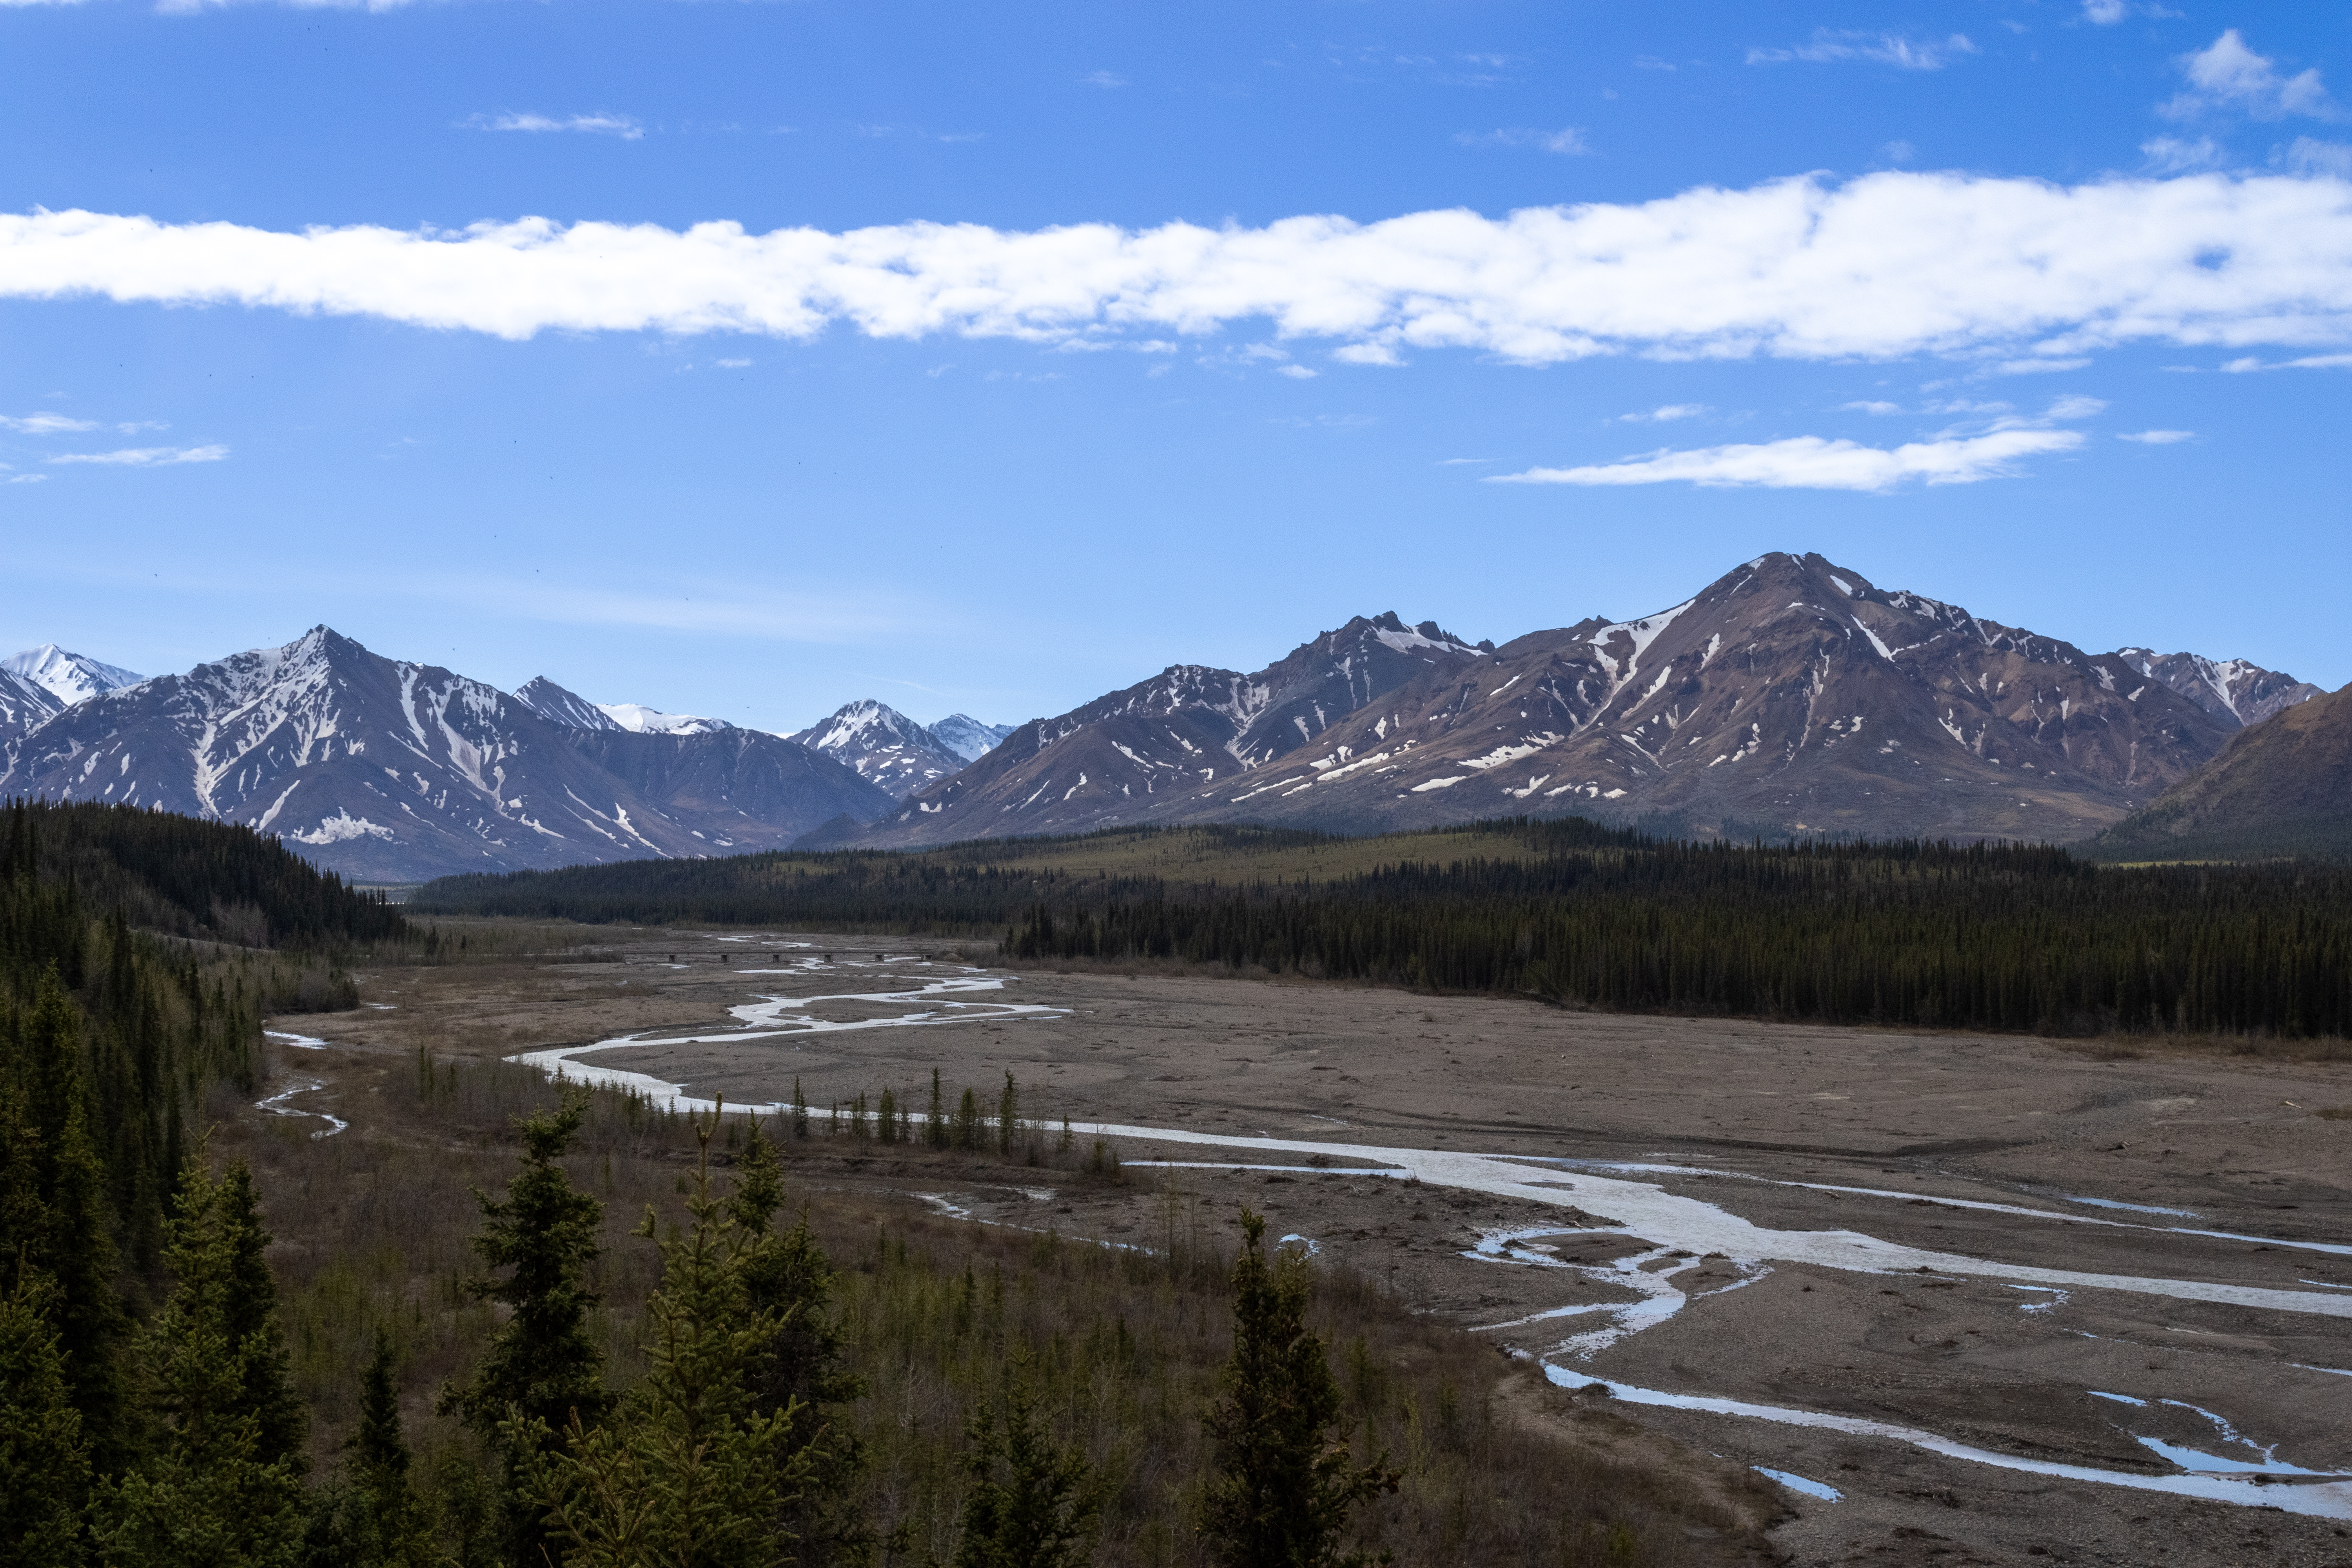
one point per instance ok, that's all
(1761, 1121)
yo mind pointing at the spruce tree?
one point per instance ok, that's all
(202, 1496)
(1031, 1502)
(369, 1516)
(1285, 1481)
(250, 1315)
(1008, 1116)
(43, 1469)
(543, 1370)
(935, 1125)
(787, 1276)
(74, 1240)
(687, 1473)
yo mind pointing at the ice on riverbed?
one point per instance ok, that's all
(299, 1042)
(1800, 1484)
(2319, 1499)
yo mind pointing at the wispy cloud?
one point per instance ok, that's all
(1294, 372)
(1664, 413)
(144, 457)
(2006, 275)
(2104, 13)
(1462, 462)
(1964, 454)
(1103, 79)
(1810, 462)
(2178, 155)
(1832, 45)
(1568, 141)
(2307, 155)
(45, 424)
(2160, 438)
(1874, 405)
(619, 125)
(2227, 75)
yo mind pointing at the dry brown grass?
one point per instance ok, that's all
(371, 1228)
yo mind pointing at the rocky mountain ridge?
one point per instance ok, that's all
(388, 771)
(1789, 695)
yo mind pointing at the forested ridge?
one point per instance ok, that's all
(2001, 937)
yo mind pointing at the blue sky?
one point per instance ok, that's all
(1051, 345)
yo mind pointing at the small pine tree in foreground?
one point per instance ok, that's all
(688, 1472)
(1033, 1503)
(1285, 1480)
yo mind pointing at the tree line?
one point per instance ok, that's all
(1975, 936)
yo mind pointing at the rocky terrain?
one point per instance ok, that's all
(2282, 787)
(1790, 695)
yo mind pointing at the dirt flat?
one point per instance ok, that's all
(2127, 1272)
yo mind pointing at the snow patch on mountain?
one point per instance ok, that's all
(71, 678)
(968, 737)
(640, 720)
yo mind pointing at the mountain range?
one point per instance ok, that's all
(2281, 787)
(1790, 695)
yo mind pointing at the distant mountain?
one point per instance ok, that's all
(395, 771)
(71, 678)
(639, 719)
(552, 701)
(883, 746)
(1789, 696)
(2280, 787)
(2230, 690)
(1144, 752)
(24, 707)
(967, 737)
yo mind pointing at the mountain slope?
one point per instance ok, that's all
(24, 707)
(2280, 787)
(883, 746)
(1135, 754)
(967, 737)
(1789, 695)
(71, 678)
(386, 771)
(555, 703)
(2230, 690)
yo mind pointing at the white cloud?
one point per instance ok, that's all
(1567, 140)
(2017, 275)
(1462, 462)
(2104, 13)
(1830, 45)
(1296, 371)
(2228, 75)
(619, 125)
(2040, 366)
(1103, 78)
(2075, 407)
(2171, 155)
(1873, 406)
(45, 424)
(732, 363)
(2160, 437)
(2306, 155)
(1664, 413)
(26, 478)
(1809, 462)
(146, 457)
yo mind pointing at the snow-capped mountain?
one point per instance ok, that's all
(967, 737)
(1136, 753)
(390, 771)
(1789, 694)
(71, 678)
(883, 745)
(640, 720)
(552, 701)
(2230, 690)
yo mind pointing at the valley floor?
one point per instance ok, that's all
(1968, 1298)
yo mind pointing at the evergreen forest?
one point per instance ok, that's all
(1979, 936)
